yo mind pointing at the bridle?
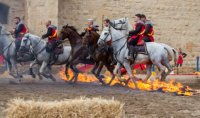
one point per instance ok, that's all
(9, 44)
(113, 24)
(118, 51)
(32, 48)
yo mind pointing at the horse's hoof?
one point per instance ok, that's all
(101, 76)
(33, 75)
(53, 79)
(40, 77)
(14, 82)
(67, 75)
(70, 83)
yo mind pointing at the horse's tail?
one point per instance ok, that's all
(175, 57)
(171, 52)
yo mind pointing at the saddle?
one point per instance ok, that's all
(140, 49)
(55, 53)
(58, 50)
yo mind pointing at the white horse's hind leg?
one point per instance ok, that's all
(148, 66)
(129, 71)
(42, 68)
(14, 64)
(169, 68)
(117, 68)
(161, 68)
(31, 68)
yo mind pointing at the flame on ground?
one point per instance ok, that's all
(170, 86)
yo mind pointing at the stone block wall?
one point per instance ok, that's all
(176, 22)
(17, 8)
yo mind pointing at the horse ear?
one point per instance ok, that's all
(0, 29)
(27, 36)
(89, 31)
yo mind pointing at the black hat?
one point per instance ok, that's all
(143, 16)
(138, 15)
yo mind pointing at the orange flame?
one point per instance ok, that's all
(156, 85)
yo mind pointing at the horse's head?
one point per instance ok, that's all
(90, 38)
(0, 29)
(25, 43)
(121, 24)
(105, 37)
(66, 32)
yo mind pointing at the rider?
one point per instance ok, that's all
(19, 32)
(110, 48)
(91, 27)
(149, 31)
(52, 38)
(136, 35)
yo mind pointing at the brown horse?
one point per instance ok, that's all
(78, 53)
(99, 54)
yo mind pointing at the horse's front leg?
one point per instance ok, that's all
(75, 74)
(148, 67)
(117, 68)
(41, 71)
(31, 68)
(96, 65)
(99, 77)
(66, 70)
(129, 71)
(110, 69)
(14, 64)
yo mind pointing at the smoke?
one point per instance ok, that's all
(4, 11)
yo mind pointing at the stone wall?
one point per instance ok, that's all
(176, 22)
(16, 9)
(40, 11)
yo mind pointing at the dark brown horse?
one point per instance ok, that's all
(99, 54)
(79, 51)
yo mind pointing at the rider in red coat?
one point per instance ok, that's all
(149, 31)
(51, 35)
(136, 35)
(19, 32)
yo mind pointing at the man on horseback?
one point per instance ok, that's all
(136, 35)
(110, 48)
(91, 27)
(149, 31)
(52, 39)
(18, 32)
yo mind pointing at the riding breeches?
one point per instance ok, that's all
(52, 46)
(133, 42)
(17, 44)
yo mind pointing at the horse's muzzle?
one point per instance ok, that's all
(23, 49)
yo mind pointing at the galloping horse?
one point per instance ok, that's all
(38, 48)
(78, 52)
(7, 49)
(124, 27)
(157, 54)
(99, 54)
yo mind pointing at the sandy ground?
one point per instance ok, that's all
(138, 104)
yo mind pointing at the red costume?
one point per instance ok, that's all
(137, 34)
(149, 32)
(51, 34)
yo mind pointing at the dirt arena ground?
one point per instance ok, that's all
(138, 104)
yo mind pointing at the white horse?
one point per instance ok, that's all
(38, 48)
(124, 27)
(7, 49)
(157, 54)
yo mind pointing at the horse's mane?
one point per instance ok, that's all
(71, 27)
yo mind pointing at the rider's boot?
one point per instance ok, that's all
(131, 53)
